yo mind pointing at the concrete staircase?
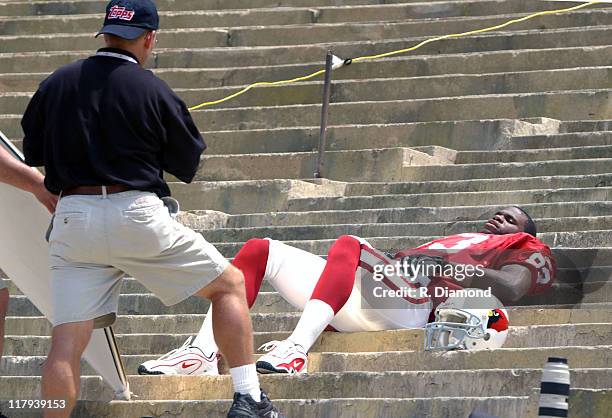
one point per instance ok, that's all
(421, 145)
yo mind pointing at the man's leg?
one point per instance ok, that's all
(4, 300)
(232, 328)
(62, 370)
(251, 260)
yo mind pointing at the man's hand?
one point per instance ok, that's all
(45, 197)
(26, 178)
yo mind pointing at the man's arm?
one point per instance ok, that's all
(17, 174)
(184, 144)
(509, 284)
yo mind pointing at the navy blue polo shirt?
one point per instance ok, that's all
(106, 120)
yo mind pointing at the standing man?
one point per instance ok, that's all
(17, 174)
(105, 129)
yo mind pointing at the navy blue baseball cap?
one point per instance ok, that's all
(128, 19)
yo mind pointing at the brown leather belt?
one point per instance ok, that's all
(96, 190)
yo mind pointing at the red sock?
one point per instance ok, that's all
(336, 282)
(252, 260)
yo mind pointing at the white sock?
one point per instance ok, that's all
(246, 381)
(205, 340)
(316, 317)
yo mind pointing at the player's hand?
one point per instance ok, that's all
(45, 197)
(426, 262)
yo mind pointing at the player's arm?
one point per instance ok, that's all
(509, 284)
(17, 174)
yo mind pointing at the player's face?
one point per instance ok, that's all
(506, 221)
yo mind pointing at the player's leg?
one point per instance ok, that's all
(333, 289)
(324, 288)
(198, 356)
(4, 300)
(62, 369)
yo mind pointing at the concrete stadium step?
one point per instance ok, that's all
(68, 7)
(421, 214)
(258, 56)
(378, 341)
(341, 385)
(454, 199)
(505, 358)
(387, 164)
(579, 139)
(521, 148)
(502, 170)
(594, 292)
(448, 407)
(147, 304)
(458, 135)
(584, 104)
(28, 25)
(272, 56)
(568, 274)
(319, 33)
(393, 67)
(275, 195)
(387, 89)
(505, 156)
(585, 126)
(393, 229)
(461, 135)
(578, 357)
(573, 285)
(206, 17)
(129, 286)
(189, 323)
(580, 400)
(436, 114)
(564, 275)
(582, 239)
(583, 275)
(286, 321)
(542, 154)
(528, 183)
(271, 302)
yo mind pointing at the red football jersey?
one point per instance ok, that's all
(493, 252)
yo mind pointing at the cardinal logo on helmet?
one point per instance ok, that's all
(497, 320)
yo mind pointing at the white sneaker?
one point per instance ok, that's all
(187, 360)
(283, 357)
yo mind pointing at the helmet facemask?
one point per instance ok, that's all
(452, 329)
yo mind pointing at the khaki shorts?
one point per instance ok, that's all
(96, 240)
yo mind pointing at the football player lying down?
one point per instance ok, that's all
(506, 258)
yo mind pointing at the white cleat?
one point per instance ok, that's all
(185, 361)
(283, 357)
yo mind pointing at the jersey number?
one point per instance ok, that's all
(543, 265)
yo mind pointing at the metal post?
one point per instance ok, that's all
(324, 114)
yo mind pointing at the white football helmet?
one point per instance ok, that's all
(468, 324)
